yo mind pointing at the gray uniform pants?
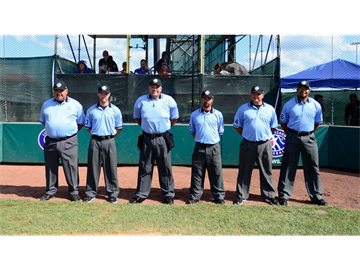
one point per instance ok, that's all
(67, 150)
(294, 145)
(155, 149)
(102, 151)
(207, 157)
(262, 154)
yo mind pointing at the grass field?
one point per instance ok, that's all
(28, 217)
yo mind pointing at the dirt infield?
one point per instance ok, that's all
(340, 188)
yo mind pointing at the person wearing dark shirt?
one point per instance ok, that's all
(164, 58)
(106, 64)
(352, 111)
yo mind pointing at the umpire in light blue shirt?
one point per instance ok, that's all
(104, 122)
(155, 113)
(255, 122)
(62, 117)
(206, 126)
(300, 118)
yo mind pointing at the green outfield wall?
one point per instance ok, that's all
(20, 143)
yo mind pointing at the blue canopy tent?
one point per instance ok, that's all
(336, 74)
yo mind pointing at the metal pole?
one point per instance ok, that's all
(156, 52)
(127, 53)
(193, 74)
(72, 51)
(94, 53)
(356, 44)
(79, 49)
(55, 45)
(201, 56)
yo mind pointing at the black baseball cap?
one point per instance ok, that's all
(104, 88)
(304, 83)
(257, 89)
(155, 81)
(207, 93)
(59, 84)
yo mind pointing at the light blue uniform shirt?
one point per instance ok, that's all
(301, 116)
(207, 126)
(256, 123)
(103, 122)
(61, 120)
(156, 114)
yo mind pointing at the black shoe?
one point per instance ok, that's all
(271, 201)
(282, 201)
(192, 201)
(137, 200)
(169, 200)
(88, 199)
(113, 199)
(239, 201)
(219, 201)
(47, 197)
(319, 202)
(74, 197)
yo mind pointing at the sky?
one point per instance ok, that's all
(298, 52)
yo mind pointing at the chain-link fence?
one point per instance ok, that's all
(317, 58)
(29, 64)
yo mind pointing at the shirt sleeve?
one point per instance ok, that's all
(174, 112)
(80, 115)
(137, 109)
(318, 114)
(220, 123)
(274, 121)
(192, 124)
(41, 116)
(237, 121)
(88, 124)
(118, 119)
(284, 114)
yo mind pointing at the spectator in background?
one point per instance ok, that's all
(143, 69)
(106, 64)
(123, 71)
(158, 65)
(218, 68)
(83, 68)
(352, 111)
(324, 110)
(319, 98)
(112, 67)
(164, 70)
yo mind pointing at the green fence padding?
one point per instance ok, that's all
(1, 142)
(344, 147)
(338, 146)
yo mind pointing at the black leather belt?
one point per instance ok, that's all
(205, 145)
(62, 139)
(257, 142)
(154, 135)
(300, 133)
(102, 137)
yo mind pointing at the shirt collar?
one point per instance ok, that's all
(211, 111)
(161, 96)
(98, 104)
(298, 101)
(66, 100)
(252, 104)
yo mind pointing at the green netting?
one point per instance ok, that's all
(33, 85)
(24, 84)
(230, 91)
(335, 102)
